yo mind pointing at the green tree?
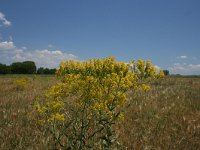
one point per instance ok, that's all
(166, 72)
(4, 69)
(26, 67)
(16, 68)
(40, 70)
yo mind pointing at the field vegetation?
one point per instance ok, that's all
(165, 117)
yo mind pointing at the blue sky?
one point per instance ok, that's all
(47, 31)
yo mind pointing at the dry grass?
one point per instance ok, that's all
(167, 117)
(17, 130)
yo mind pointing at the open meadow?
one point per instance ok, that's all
(100, 75)
(166, 117)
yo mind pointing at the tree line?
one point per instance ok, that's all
(29, 67)
(26, 67)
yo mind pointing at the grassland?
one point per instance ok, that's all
(166, 117)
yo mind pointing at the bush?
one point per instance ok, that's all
(81, 110)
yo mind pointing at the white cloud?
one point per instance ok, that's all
(3, 20)
(18, 57)
(50, 45)
(6, 45)
(185, 69)
(24, 48)
(42, 58)
(18, 51)
(182, 57)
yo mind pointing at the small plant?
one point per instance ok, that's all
(21, 83)
(35, 77)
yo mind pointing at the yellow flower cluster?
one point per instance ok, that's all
(50, 109)
(55, 91)
(57, 117)
(94, 67)
(100, 84)
(21, 83)
(145, 87)
(103, 82)
(55, 105)
(160, 74)
(40, 109)
(144, 69)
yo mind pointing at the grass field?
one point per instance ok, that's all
(166, 117)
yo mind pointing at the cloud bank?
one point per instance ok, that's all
(185, 69)
(10, 53)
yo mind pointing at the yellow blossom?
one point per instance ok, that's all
(56, 117)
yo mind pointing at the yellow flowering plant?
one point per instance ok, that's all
(143, 69)
(160, 74)
(21, 83)
(89, 100)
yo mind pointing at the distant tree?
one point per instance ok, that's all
(4, 69)
(16, 68)
(26, 67)
(52, 71)
(46, 71)
(166, 72)
(8, 69)
(42, 70)
(49, 71)
(178, 75)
